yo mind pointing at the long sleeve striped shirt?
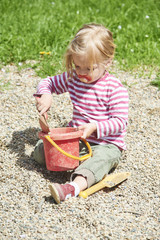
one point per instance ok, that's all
(104, 102)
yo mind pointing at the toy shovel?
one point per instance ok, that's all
(109, 181)
(43, 123)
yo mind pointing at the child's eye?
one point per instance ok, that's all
(94, 67)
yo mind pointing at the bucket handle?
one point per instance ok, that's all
(69, 155)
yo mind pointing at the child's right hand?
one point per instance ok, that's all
(43, 103)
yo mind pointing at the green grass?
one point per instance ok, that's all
(4, 85)
(156, 82)
(30, 26)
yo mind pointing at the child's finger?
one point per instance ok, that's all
(82, 127)
(79, 127)
(43, 111)
(84, 134)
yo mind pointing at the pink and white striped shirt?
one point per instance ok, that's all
(104, 102)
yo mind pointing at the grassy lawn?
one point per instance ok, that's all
(31, 26)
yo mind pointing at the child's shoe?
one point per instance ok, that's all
(61, 192)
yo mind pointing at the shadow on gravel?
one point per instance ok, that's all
(22, 144)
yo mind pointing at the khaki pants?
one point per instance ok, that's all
(105, 157)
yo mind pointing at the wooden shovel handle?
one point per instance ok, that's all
(92, 189)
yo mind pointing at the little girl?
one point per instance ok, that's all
(100, 106)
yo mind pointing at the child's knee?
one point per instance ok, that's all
(38, 153)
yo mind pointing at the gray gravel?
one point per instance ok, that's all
(27, 211)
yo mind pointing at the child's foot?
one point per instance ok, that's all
(61, 192)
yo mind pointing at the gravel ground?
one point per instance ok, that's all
(27, 211)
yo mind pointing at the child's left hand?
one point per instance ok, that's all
(88, 129)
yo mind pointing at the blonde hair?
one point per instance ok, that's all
(93, 41)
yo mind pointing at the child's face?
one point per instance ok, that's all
(84, 71)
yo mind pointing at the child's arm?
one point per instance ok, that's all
(117, 117)
(118, 114)
(57, 84)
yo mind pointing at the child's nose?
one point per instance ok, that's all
(83, 72)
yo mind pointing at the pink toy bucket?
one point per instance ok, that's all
(61, 148)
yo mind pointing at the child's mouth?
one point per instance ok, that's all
(85, 78)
